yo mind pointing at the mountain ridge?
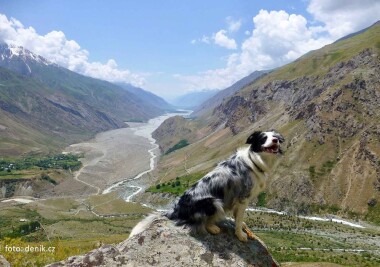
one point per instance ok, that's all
(58, 105)
(209, 104)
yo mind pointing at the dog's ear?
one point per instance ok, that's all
(280, 138)
(254, 138)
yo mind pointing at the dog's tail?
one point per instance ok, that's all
(145, 223)
(195, 214)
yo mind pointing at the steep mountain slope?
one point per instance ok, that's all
(327, 105)
(193, 99)
(58, 105)
(147, 97)
(207, 106)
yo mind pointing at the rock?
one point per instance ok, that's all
(4, 262)
(372, 202)
(164, 244)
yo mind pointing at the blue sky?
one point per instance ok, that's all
(171, 47)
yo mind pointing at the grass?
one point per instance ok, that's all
(60, 249)
(373, 214)
(291, 239)
(261, 199)
(67, 224)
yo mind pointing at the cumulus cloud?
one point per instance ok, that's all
(278, 38)
(55, 47)
(342, 17)
(221, 39)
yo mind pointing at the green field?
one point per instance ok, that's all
(72, 226)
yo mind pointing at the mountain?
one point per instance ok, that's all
(208, 105)
(57, 105)
(147, 97)
(327, 106)
(193, 99)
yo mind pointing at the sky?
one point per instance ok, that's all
(172, 47)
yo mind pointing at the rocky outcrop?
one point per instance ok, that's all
(164, 244)
(4, 262)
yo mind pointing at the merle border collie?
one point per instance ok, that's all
(227, 189)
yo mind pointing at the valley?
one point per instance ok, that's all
(83, 160)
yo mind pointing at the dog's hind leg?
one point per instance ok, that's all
(211, 221)
(239, 215)
(213, 229)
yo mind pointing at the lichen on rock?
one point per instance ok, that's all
(164, 244)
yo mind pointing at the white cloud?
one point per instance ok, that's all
(276, 39)
(221, 39)
(205, 39)
(57, 48)
(342, 17)
(233, 25)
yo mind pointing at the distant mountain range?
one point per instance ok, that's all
(44, 106)
(326, 104)
(147, 97)
(193, 99)
(209, 104)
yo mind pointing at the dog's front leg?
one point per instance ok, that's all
(239, 215)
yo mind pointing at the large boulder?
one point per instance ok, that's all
(164, 244)
(4, 262)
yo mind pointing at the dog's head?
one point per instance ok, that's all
(266, 142)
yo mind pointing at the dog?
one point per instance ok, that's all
(228, 188)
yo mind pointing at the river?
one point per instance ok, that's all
(130, 186)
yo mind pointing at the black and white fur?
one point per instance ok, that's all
(228, 188)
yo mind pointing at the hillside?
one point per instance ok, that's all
(147, 97)
(326, 104)
(207, 106)
(45, 107)
(193, 99)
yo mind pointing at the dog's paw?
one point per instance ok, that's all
(241, 236)
(213, 229)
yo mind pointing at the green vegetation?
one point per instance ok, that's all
(177, 186)
(373, 214)
(32, 166)
(177, 146)
(61, 161)
(325, 169)
(69, 225)
(261, 199)
(292, 239)
(63, 248)
(46, 177)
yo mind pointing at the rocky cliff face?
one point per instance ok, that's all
(163, 244)
(337, 115)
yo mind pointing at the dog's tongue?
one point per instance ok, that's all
(272, 149)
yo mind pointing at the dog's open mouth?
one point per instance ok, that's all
(274, 149)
